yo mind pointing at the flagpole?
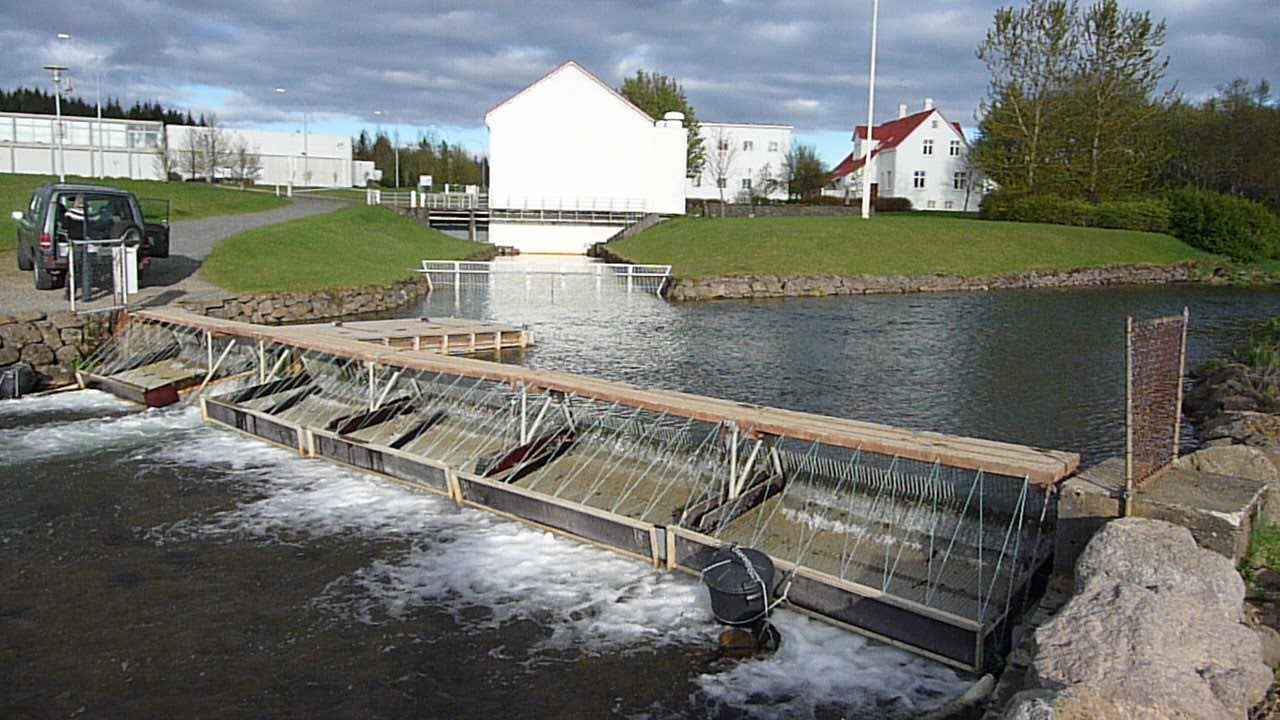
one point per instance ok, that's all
(871, 114)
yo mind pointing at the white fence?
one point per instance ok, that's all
(634, 278)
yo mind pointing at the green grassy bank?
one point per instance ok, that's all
(188, 201)
(890, 244)
(351, 247)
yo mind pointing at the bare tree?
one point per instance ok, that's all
(192, 152)
(720, 160)
(765, 184)
(164, 161)
(217, 148)
(246, 164)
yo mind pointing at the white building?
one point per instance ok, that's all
(743, 157)
(112, 148)
(573, 147)
(922, 157)
(311, 159)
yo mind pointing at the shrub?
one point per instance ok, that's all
(1051, 209)
(1147, 215)
(996, 204)
(1224, 224)
(892, 204)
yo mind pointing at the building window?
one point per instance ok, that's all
(957, 180)
(6, 130)
(746, 183)
(773, 146)
(33, 131)
(722, 183)
(723, 145)
(949, 205)
(933, 204)
(928, 147)
(748, 145)
(917, 179)
(934, 124)
(955, 148)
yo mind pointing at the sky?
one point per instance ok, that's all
(436, 67)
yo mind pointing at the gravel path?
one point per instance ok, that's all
(169, 279)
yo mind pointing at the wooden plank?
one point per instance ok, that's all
(1043, 467)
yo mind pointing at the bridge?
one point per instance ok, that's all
(926, 541)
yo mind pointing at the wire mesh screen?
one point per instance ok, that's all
(1156, 356)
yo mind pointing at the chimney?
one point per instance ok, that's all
(928, 103)
(902, 110)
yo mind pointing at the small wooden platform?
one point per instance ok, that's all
(446, 336)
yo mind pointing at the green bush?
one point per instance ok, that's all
(892, 204)
(996, 204)
(1224, 224)
(1051, 209)
(1147, 215)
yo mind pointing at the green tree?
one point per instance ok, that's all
(657, 94)
(804, 171)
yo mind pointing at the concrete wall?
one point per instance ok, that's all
(531, 238)
(318, 159)
(570, 141)
(114, 148)
(754, 147)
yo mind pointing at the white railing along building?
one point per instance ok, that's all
(634, 278)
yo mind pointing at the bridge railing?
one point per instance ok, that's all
(634, 278)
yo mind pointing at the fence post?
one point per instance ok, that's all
(413, 199)
(457, 273)
(1128, 416)
(630, 269)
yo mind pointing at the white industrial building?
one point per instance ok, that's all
(747, 159)
(569, 151)
(90, 148)
(132, 148)
(302, 159)
(922, 157)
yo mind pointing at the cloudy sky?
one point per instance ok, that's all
(438, 66)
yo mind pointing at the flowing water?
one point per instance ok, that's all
(157, 567)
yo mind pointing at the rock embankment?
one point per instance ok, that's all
(49, 344)
(1154, 630)
(292, 307)
(779, 286)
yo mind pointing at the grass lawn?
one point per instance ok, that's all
(350, 247)
(187, 201)
(890, 244)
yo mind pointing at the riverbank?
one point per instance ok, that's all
(821, 256)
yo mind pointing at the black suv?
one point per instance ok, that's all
(60, 213)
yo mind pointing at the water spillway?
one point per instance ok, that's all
(923, 540)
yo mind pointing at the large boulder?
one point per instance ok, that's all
(1244, 427)
(1242, 461)
(1154, 629)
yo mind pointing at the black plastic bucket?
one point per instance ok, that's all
(16, 381)
(739, 580)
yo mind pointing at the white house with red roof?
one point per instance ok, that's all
(922, 157)
(571, 150)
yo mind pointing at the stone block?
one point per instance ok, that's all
(50, 336)
(67, 355)
(1085, 503)
(72, 335)
(66, 319)
(16, 335)
(9, 356)
(37, 354)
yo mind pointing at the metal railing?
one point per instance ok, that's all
(642, 278)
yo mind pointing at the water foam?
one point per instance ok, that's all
(89, 435)
(77, 400)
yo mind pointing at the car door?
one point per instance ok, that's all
(155, 216)
(29, 223)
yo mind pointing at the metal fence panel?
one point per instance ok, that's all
(1156, 360)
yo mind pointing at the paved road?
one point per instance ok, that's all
(173, 277)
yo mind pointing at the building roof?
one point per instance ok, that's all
(572, 64)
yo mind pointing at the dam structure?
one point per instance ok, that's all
(925, 541)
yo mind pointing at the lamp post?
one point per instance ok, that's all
(306, 133)
(871, 115)
(395, 146)
(99, 168)
(58, 73)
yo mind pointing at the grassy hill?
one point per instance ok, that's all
(890, 244)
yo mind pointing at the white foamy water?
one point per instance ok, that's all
(589, 600)
(78, 400)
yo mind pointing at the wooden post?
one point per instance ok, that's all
(1128, 416)
(1182, 371)
(262, 362)
(471, 226)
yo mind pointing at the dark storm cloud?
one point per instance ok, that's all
(446, 63)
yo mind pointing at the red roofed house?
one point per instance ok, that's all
(921, 157)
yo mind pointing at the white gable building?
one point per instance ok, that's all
(741, 157)
(922, 157)
(573, 147)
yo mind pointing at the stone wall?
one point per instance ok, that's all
(288, 307)
(50, 344)
(778, 286)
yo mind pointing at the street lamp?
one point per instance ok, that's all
(871, 115)
(306, 155)
(396, 146)
(58, 72)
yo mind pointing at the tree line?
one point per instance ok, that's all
(39, 102)
(445, 163)
(1075, 109)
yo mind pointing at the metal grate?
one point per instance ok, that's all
(1156, 360)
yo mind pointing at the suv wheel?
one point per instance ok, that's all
(24, 258)
(43, 278)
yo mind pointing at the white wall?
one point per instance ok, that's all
(897, 167)
(569, 141)
(769, 145)
(531, 238)
(116, 148)
(285, 156)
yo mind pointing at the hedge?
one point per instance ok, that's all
(1224, 224)
(1145, 215)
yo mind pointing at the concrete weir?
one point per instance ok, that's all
(926, 541)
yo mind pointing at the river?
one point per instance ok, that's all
(155, 566)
